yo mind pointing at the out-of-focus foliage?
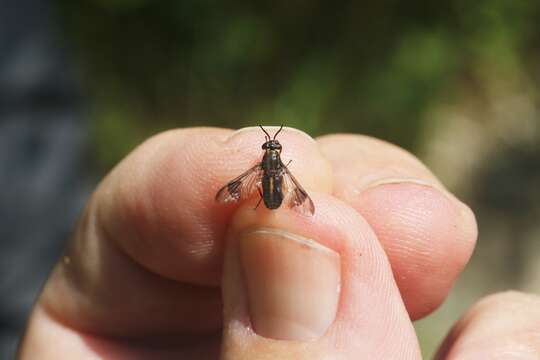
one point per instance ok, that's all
(371, 67)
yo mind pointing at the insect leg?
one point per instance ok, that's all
(260, 199)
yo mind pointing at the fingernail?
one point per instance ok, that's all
(292, 284)
(406, 180)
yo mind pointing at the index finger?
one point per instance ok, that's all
(159, 206)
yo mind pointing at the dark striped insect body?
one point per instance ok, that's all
(273, 180)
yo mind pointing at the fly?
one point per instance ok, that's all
(273, 180)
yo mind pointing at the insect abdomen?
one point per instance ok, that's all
(272, 191)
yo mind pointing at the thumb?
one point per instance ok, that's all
(297, 287)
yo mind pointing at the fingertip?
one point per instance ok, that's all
(308, 164)
(272, 130)
(428, 236)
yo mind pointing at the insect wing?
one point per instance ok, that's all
(242, 186)
(297, 196)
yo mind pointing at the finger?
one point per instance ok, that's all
(159, 203)
(320, 287)
(427, 233)
(500, 326)
(145, 259)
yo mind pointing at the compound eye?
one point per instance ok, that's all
(264, 146)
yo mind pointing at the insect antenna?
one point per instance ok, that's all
(267, 136)
(280, 128)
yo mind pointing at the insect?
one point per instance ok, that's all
(273, 180)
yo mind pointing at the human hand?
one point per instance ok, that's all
(157, 269)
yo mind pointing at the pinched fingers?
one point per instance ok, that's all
(145, 261)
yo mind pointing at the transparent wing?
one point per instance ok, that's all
(297, 196)
(242, 186)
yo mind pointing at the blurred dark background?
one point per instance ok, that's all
(455, 82)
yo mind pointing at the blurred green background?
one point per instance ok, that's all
(455, 82)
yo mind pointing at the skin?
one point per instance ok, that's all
(151, 272)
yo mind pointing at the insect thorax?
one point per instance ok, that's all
(271, 161)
